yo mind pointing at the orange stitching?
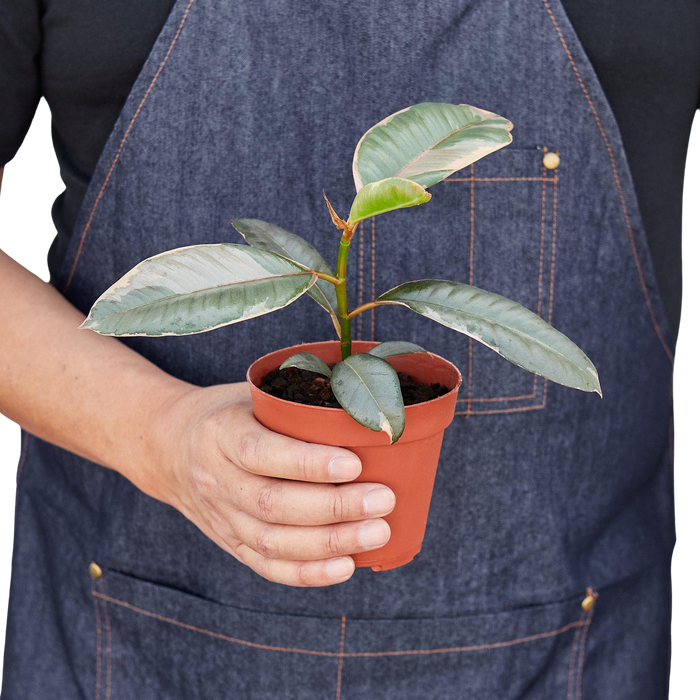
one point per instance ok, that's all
(617, 182)
(209, 633)
(581, 653)
(507, 410)
(582, 648)
(361, 296)
(499, 179)
(539, 295)
(574, 648)
(470, 400)
(98, 646)
(478, 647)
(340, 658)
(108, 688)
(544, 209)
(471, 281)
(374, 295)
(554, 246)
(344, 654)
(503, 398)
(121, 145)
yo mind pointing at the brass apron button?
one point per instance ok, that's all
(551, 160)
(95, 570)
(589, 601)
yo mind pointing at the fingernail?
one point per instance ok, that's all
(374, 534)
(344, 468)
(379, 501)
(339, 568)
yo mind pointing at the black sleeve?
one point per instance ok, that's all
(20, 88)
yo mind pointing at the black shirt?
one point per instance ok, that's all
(84, 55)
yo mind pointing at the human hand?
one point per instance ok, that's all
(278, 505)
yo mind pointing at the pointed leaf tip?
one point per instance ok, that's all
(307, 361)
(368, 388)
(508, 328)
(385, 196)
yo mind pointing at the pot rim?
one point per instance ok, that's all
(372, 343)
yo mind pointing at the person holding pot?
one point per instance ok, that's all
(156, 518)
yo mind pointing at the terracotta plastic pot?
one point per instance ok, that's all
(407, 467)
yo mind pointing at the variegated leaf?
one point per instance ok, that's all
(392, 348)
(307, 361)
(198, 288)
(386, 195)
(368, 388)
(513, 331)
(265, 236)
(428, 142)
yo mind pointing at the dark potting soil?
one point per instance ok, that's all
(312, 389)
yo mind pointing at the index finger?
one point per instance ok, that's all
(252, 447)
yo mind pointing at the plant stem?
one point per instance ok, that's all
(361, 309)
(341, 294)
(328, 278)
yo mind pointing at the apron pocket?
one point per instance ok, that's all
(155, 642)
(492, 225)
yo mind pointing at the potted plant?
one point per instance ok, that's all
(358, 389)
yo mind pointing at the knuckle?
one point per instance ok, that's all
(334, 544)
(204, 481)
(266, 501)
(250, 448)
(339, 506)
(266, 543)
(307, 575)
(306, 465)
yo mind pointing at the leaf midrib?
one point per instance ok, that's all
(435, 145)
(369, 391)
(504, 325)
(201, 291)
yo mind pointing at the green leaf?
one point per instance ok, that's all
(198, 288)
(307, 361)
(395, 347)
(428, 142)
(505, 326)
(368, 388)
(386, 195)
(274, 239)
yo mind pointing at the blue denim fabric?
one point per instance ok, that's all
(252, 109)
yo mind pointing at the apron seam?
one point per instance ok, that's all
(121, 146)
(582, 653)
(618, 183)
(572, 661)
(361, 280)
(342, 653)
(108, 650)
(470, 411)
(98, 645)
(340, 659)
(374, 268)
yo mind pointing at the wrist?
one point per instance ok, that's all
(154, 438)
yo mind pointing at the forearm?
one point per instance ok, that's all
(87, 393)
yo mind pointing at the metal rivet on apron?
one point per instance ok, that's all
(589, 601)
(551, 160)
(95, 570)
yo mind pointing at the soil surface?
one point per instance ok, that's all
(312, 389)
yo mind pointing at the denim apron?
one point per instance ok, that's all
(545, 568)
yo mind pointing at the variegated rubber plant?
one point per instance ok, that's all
(202, 287)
